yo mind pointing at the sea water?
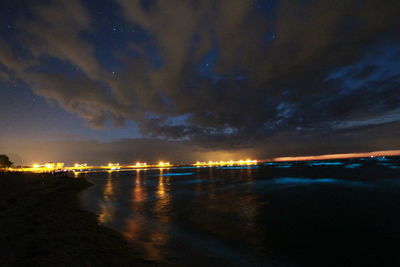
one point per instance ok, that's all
(337, 212)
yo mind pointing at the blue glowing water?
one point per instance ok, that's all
(273, 214)
(352, 166)
(174, 174)
(302, 180)
(237, 167)
(325, 163)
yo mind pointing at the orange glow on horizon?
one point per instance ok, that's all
(341, 156)
(53, 167)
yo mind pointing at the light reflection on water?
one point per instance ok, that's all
(146, 212)
(107, 210)
(218, 215)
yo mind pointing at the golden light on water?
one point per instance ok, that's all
(78, 167)
(107, 210)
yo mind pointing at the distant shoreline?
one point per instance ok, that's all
(43, 224)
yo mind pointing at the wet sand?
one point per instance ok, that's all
(42, 224)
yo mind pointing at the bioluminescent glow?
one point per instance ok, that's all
(353, 166)
(290, 180)
(283, 166)
(276, 163)
(237, 168)
(175, 174)
(281, 163)
(287, 182)
(325, 163)
(382, 159)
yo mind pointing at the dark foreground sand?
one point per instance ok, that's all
(41, 224)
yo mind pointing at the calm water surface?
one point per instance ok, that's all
(286, 214)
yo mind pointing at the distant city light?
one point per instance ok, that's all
(114, 166)
(46, 167)
(77, 165)
(164, 164)
(111, 166)
(226, 163)
(141, 164)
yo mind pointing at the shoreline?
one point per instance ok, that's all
(42, 223)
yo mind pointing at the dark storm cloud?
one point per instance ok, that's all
(227, 74)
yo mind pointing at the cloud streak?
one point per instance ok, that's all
(222, 74)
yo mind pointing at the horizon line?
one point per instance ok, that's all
(381, 153)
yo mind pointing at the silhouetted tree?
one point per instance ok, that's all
(5, 161)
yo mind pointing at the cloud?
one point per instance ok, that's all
(311, 38)
(10, 60)
(238, 75)
(55, 31)
(128, 151)
(370, 121)
(4, 76)
(84, 97)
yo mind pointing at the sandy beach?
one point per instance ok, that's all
(42, 224)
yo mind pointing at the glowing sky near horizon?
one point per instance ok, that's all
(386, 153)
(199, 79)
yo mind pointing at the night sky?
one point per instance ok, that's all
(185, 80)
